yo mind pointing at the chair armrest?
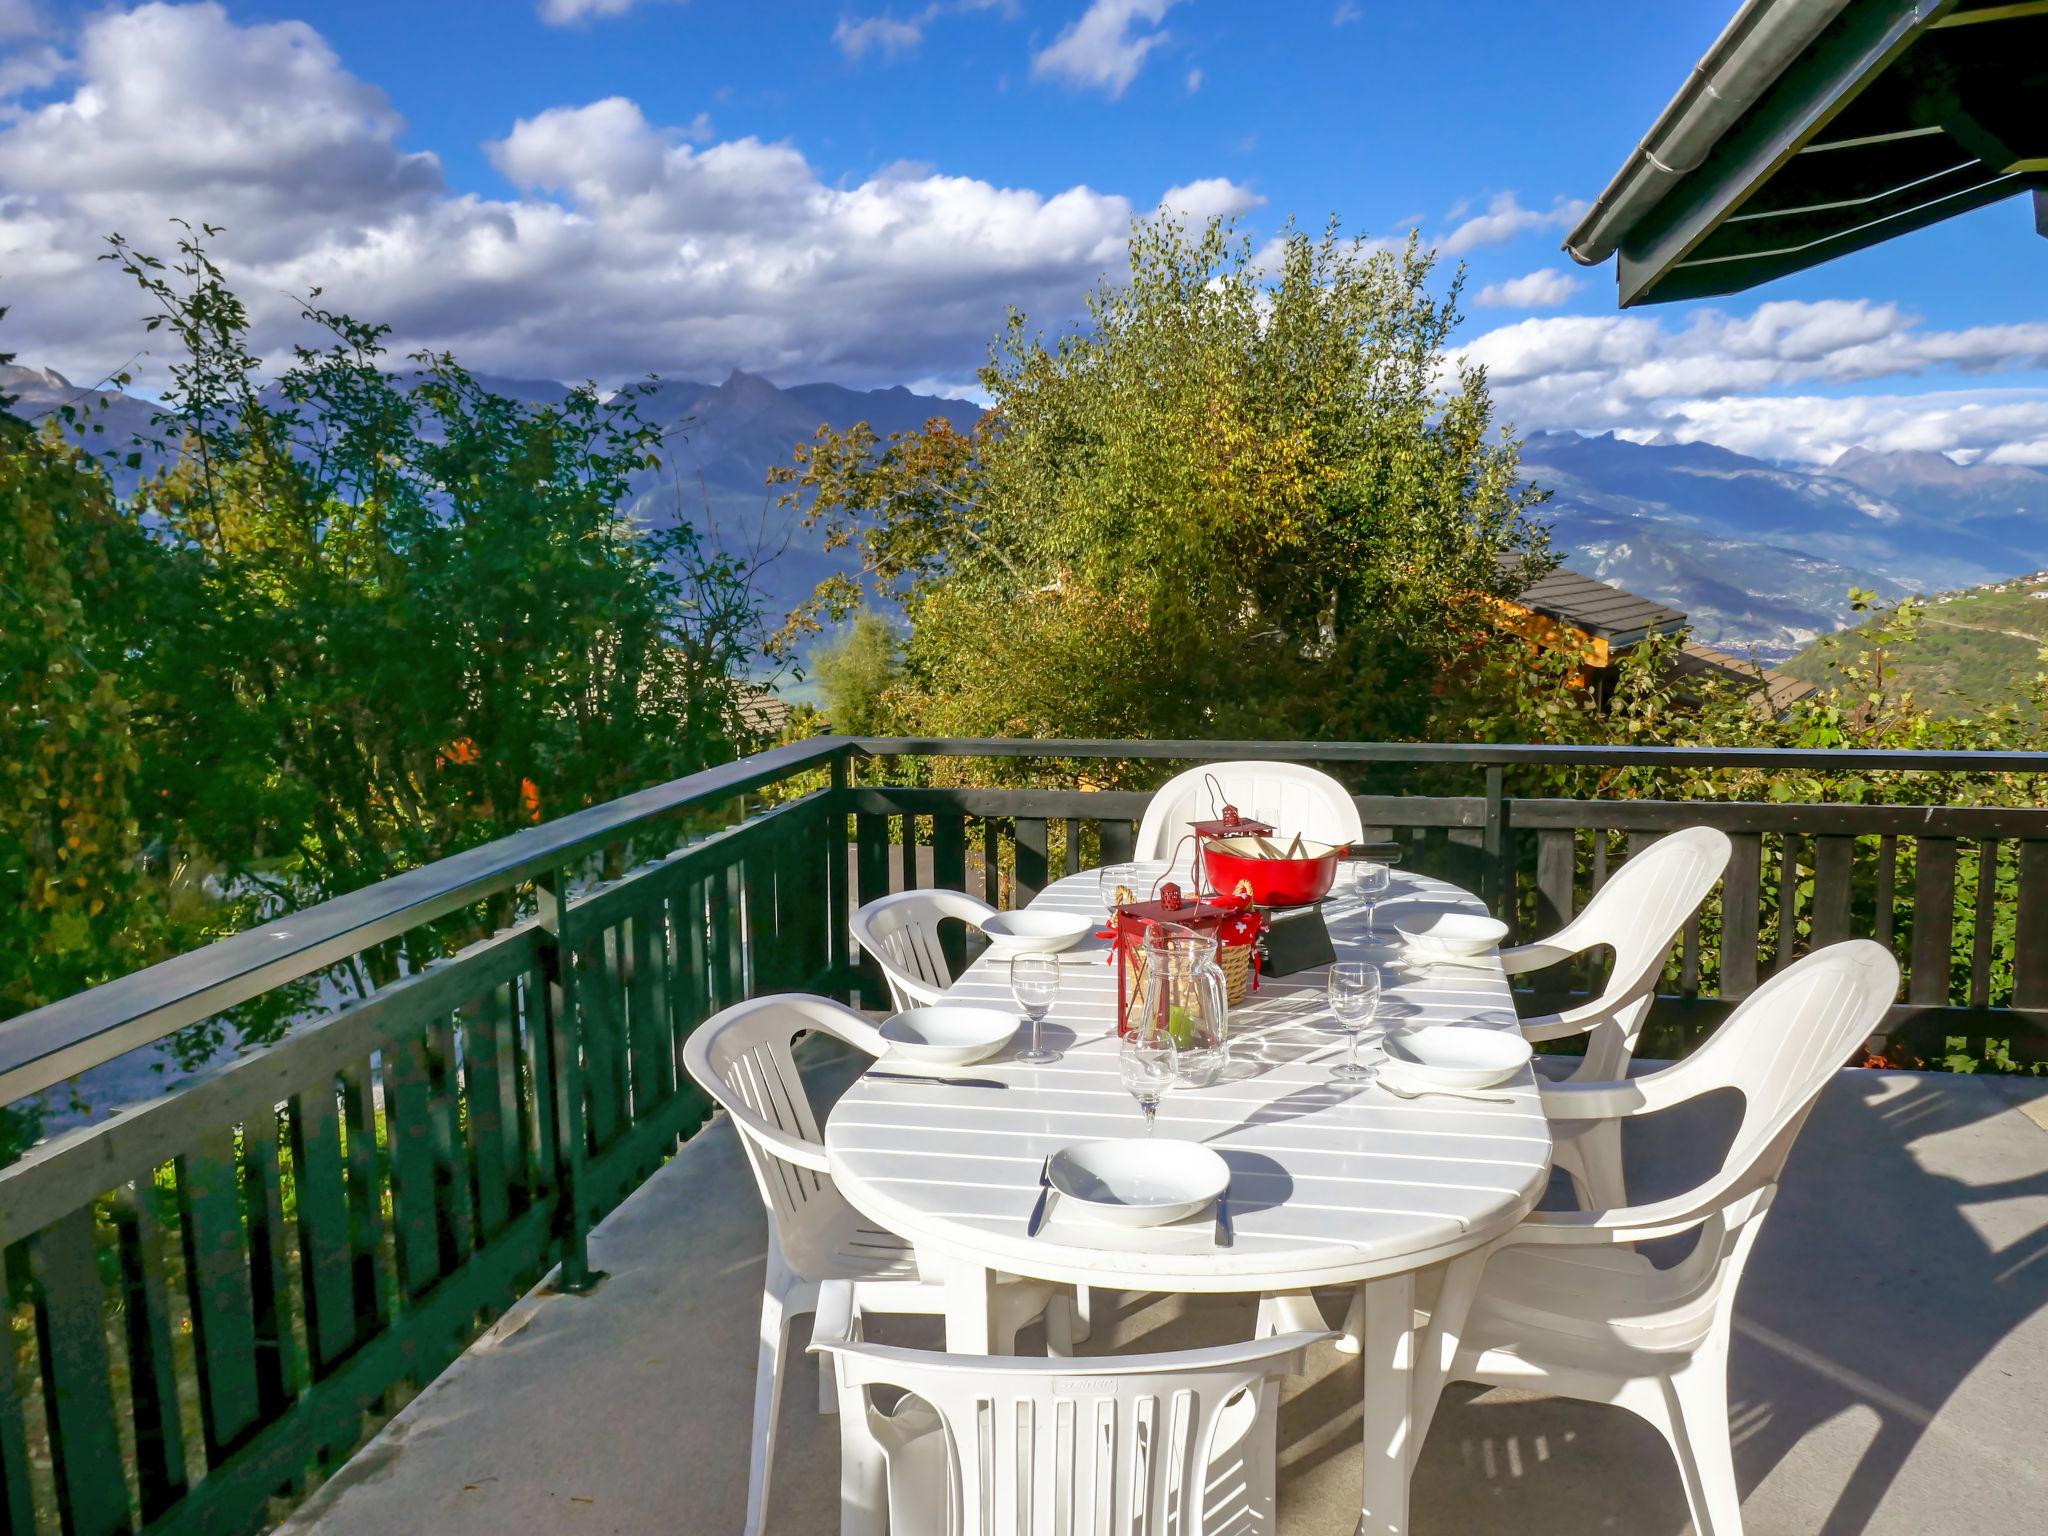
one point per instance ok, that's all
(837, 1316)
(1645, 1095)
(1572, 1021)
(1729, 1189)
(779, 1143)
(1534, 957)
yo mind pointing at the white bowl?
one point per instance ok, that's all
(1141, 1182)
(948, 1035)
(1033, 931)
(1457, 1055)
(1450, 935)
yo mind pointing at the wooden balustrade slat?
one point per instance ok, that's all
(1119, 837)
(408, 1119)
(454, 1216)
(17, 1486)
(651, 1031)
(78, 1394)
(1834, 888)
(1934, 908)
(277, 1375)
(1886, 882)
(1072, 829)
(490, 1086)
(764, 966)
(160, 1475)
(1031, 860)
(1983, 926)
(325, 1261)
(949, 873)
(1741, 913)
(217, 1274)
(2030, 927)
(597, 1025)
(365, 1161)
(1788, 902)
(536, 1001)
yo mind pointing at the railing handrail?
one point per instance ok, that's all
(1469, 754)
(43, 1047)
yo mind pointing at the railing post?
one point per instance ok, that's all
(838, 881)
(1496, 880)
(563, 1039)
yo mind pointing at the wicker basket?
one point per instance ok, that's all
(1236, 963)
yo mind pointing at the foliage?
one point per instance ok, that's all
(1968, 652)
(362, 621)
(857, 668)
(1190, 516)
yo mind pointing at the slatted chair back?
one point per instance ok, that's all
(1292, 797)
(742, 1058)
(901, 932)
(1036, 1447)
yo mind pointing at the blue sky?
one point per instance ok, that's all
(856, 191)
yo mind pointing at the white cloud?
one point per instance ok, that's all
(1107, 45)
(569, 13)
(1346, 13)
(879, 34)
(1730, 379)
(1505, 219)
(1545, 288)
(1194, 81)
(627, 245)
(1213, 197)
(18, 19)
(28, 68)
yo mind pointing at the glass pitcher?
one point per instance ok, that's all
(1183, 992)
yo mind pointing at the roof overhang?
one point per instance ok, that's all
(1813, 128)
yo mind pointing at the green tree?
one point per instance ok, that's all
(856, 669)
(1230, 504)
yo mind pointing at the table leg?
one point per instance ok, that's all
(1389, 1360)
(970, 1310)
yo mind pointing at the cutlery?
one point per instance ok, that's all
(1225, 1235)
(932, 1077)
(1044, 1193)
(1445, 1093)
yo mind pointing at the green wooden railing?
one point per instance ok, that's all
(213, 1294)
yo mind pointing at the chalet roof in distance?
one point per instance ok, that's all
(1620, 618)
(1813, 128)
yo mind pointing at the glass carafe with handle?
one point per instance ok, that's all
(1183, 993)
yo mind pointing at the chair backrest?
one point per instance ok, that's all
(1786, 1040)
(1779, 1048)
(1638, 913)
(1292, 797)
(1043, 1446)
(741, 1057)
(901, 931)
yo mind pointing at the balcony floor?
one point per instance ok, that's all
(1886, 1377)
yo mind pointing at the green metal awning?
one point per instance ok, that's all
(1813, 128)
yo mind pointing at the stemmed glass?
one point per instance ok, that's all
(1355, 1000)
(1107, 879)
(1371, 882)
(1148, 1062)
(1036, 981)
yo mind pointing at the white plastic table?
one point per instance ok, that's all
(1331, 1184)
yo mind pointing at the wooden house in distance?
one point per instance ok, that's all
(1599, 623)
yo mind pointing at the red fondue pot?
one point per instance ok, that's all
(1274, 882)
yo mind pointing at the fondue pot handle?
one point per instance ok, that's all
(1377, 853)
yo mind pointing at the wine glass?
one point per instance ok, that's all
(1148, 1062)
(1354, 999)
(1036, 981)
(1371, 882)
(1107, 879)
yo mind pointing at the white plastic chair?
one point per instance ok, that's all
(1565, 1304)
(741, 1057)
(989, 1446)
(1638, 914)
(1292, 797)
(901, 932)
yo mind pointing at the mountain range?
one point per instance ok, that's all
(1761, 556)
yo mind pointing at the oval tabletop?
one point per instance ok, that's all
(1329, 1182)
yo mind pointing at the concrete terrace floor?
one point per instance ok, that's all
(1889, 1373)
